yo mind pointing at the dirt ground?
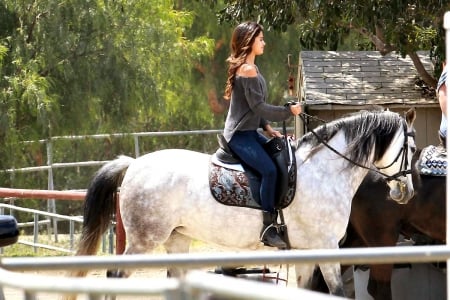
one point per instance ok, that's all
(285, 274)
(13, 294)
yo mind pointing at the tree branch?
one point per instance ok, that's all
(423, 73)
(377, 39)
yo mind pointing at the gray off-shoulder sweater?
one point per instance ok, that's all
(249, 97)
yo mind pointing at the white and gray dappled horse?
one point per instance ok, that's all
(165, 197)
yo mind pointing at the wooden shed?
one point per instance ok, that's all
(333, 83)
(336, 83)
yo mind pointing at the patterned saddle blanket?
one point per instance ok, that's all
(234, 185)
(433, 161)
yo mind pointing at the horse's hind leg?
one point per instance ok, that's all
(132, 247)
(177, 243)
(332, 275)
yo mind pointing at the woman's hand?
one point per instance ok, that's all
(272, 132)
(296, 109)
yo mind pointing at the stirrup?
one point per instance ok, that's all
(280, 244)
(263, 233)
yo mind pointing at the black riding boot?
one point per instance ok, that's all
(269, 233)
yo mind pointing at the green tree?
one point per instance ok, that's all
(274, 62)
(82, 67)
(402, 26)
(85, 67)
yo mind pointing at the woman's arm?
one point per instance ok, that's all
(442, 96)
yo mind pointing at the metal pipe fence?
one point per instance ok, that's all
(37, 214)
(347, 256)
(195, 283)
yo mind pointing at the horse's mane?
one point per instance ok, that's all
(363, 131)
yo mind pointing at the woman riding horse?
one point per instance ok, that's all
(248, 111)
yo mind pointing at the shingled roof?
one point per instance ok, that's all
(363, 78)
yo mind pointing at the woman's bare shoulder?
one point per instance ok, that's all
(247, 70)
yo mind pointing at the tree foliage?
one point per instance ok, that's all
(86, 67)
(401, 26)
(273, 64)
(83, 67)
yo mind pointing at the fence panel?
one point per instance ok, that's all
(197, 283)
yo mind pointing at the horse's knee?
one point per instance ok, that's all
(304, 275)
(299, 281)
(305, 282)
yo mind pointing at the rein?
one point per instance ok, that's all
(403, 151)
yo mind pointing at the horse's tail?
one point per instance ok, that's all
(100, 206)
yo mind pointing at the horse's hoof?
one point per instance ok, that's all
(114, 274)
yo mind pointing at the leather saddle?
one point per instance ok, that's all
(232, 183)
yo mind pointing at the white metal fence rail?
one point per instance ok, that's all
(195, 284)
(136, 135)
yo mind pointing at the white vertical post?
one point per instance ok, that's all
(51, 205)
(299, 127)
(447, 60)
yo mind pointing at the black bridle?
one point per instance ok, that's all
(403, 152)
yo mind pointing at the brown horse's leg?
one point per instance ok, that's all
(379, 285)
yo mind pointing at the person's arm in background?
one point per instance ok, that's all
(442, 96)
(441, 90)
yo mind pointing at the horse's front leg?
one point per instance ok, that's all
(332, 276)
(379, 285)
(304, 275)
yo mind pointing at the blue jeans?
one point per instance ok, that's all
(248, 146)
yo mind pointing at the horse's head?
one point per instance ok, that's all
(375, 138)
(396, 164)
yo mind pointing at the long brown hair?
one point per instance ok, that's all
(241, 45)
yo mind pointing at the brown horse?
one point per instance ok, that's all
(377, 221)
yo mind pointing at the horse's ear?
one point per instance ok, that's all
(410, 115)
